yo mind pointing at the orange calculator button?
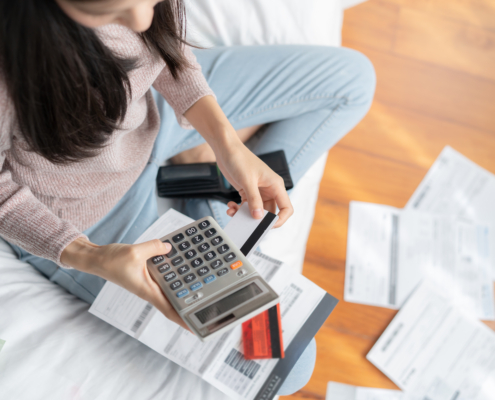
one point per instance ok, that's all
(236, 265)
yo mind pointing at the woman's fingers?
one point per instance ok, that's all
(285, 206)
(151, 248)
(254, 200)
(233, 208)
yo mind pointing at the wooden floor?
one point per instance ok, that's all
(435, 65)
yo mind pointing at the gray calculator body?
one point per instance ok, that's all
(208, 280)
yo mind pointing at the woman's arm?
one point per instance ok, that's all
(256, 182)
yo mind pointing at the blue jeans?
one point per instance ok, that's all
(308, 98)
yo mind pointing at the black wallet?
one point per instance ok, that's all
(204, 180)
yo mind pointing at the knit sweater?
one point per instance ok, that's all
(44, 206)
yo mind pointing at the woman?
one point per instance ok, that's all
(95, 94)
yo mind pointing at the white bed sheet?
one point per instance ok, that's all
(56, 350)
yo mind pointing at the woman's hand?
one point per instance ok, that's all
(257, 183)
(124, 265)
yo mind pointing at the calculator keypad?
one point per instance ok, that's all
(204, 224)
(197, 262)
(182, 270)
(184, 246)
(178, 238)
(163, 268)
(197, 239)
(175, 285)
(216, 264)
(190, 254)
(216, 241)
(170, 276)
(177, 261)
(191, 231)
(230, 257)
(191, 245)
(223, 249)
(210, 232)
(203, 247)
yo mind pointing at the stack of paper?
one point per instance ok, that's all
(435, 260)
(304, 307)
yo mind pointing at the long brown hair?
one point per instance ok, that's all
(68, 89)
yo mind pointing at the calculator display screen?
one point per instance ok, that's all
(228, 303)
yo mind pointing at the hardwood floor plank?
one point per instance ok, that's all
(450, 44)
(379, 29)
(416, 139)
(475, 12)
(432, 90)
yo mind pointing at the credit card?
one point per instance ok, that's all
(262, 335)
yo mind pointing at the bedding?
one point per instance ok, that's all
(54, 348)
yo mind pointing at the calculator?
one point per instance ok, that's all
(208, 280)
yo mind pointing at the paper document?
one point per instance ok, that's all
(433, 351)
(339, 391)
(457, 186)
(390, 251)
(220, 362)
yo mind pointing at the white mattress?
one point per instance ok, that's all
(56, 350)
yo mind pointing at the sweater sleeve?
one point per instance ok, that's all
(182, 93)
(24, 220)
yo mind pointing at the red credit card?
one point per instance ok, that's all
(262, 335)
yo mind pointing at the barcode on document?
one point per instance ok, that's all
(236, 360)
(141, 318)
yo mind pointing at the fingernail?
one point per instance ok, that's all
(257, 213)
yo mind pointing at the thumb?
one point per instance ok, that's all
(152, 248)
(254, 201)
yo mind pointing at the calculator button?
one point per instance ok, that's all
(197, 239)
(190, 254)
(230, 257)
(210, 232)
(178, 238)
(182, 270)
(191, 231)
(223, 271)
(170, 276)
(189, 278)
(241, 272)
(203, 271)
(196, 286)
(158, 259)
(177, 261)
(203, 247)
(197, 262)
(184, 245)
(209, 278)
(236, 265)
(204, 224)
(182, 293)
(216, 241)
(216, 264)
(210, 255)
(163, 268)
(175, 285)
(172, 252)
(223, 249)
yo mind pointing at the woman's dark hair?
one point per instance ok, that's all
(69, 91)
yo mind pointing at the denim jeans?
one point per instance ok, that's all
(307, 98)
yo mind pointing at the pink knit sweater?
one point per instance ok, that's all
(44, 207)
